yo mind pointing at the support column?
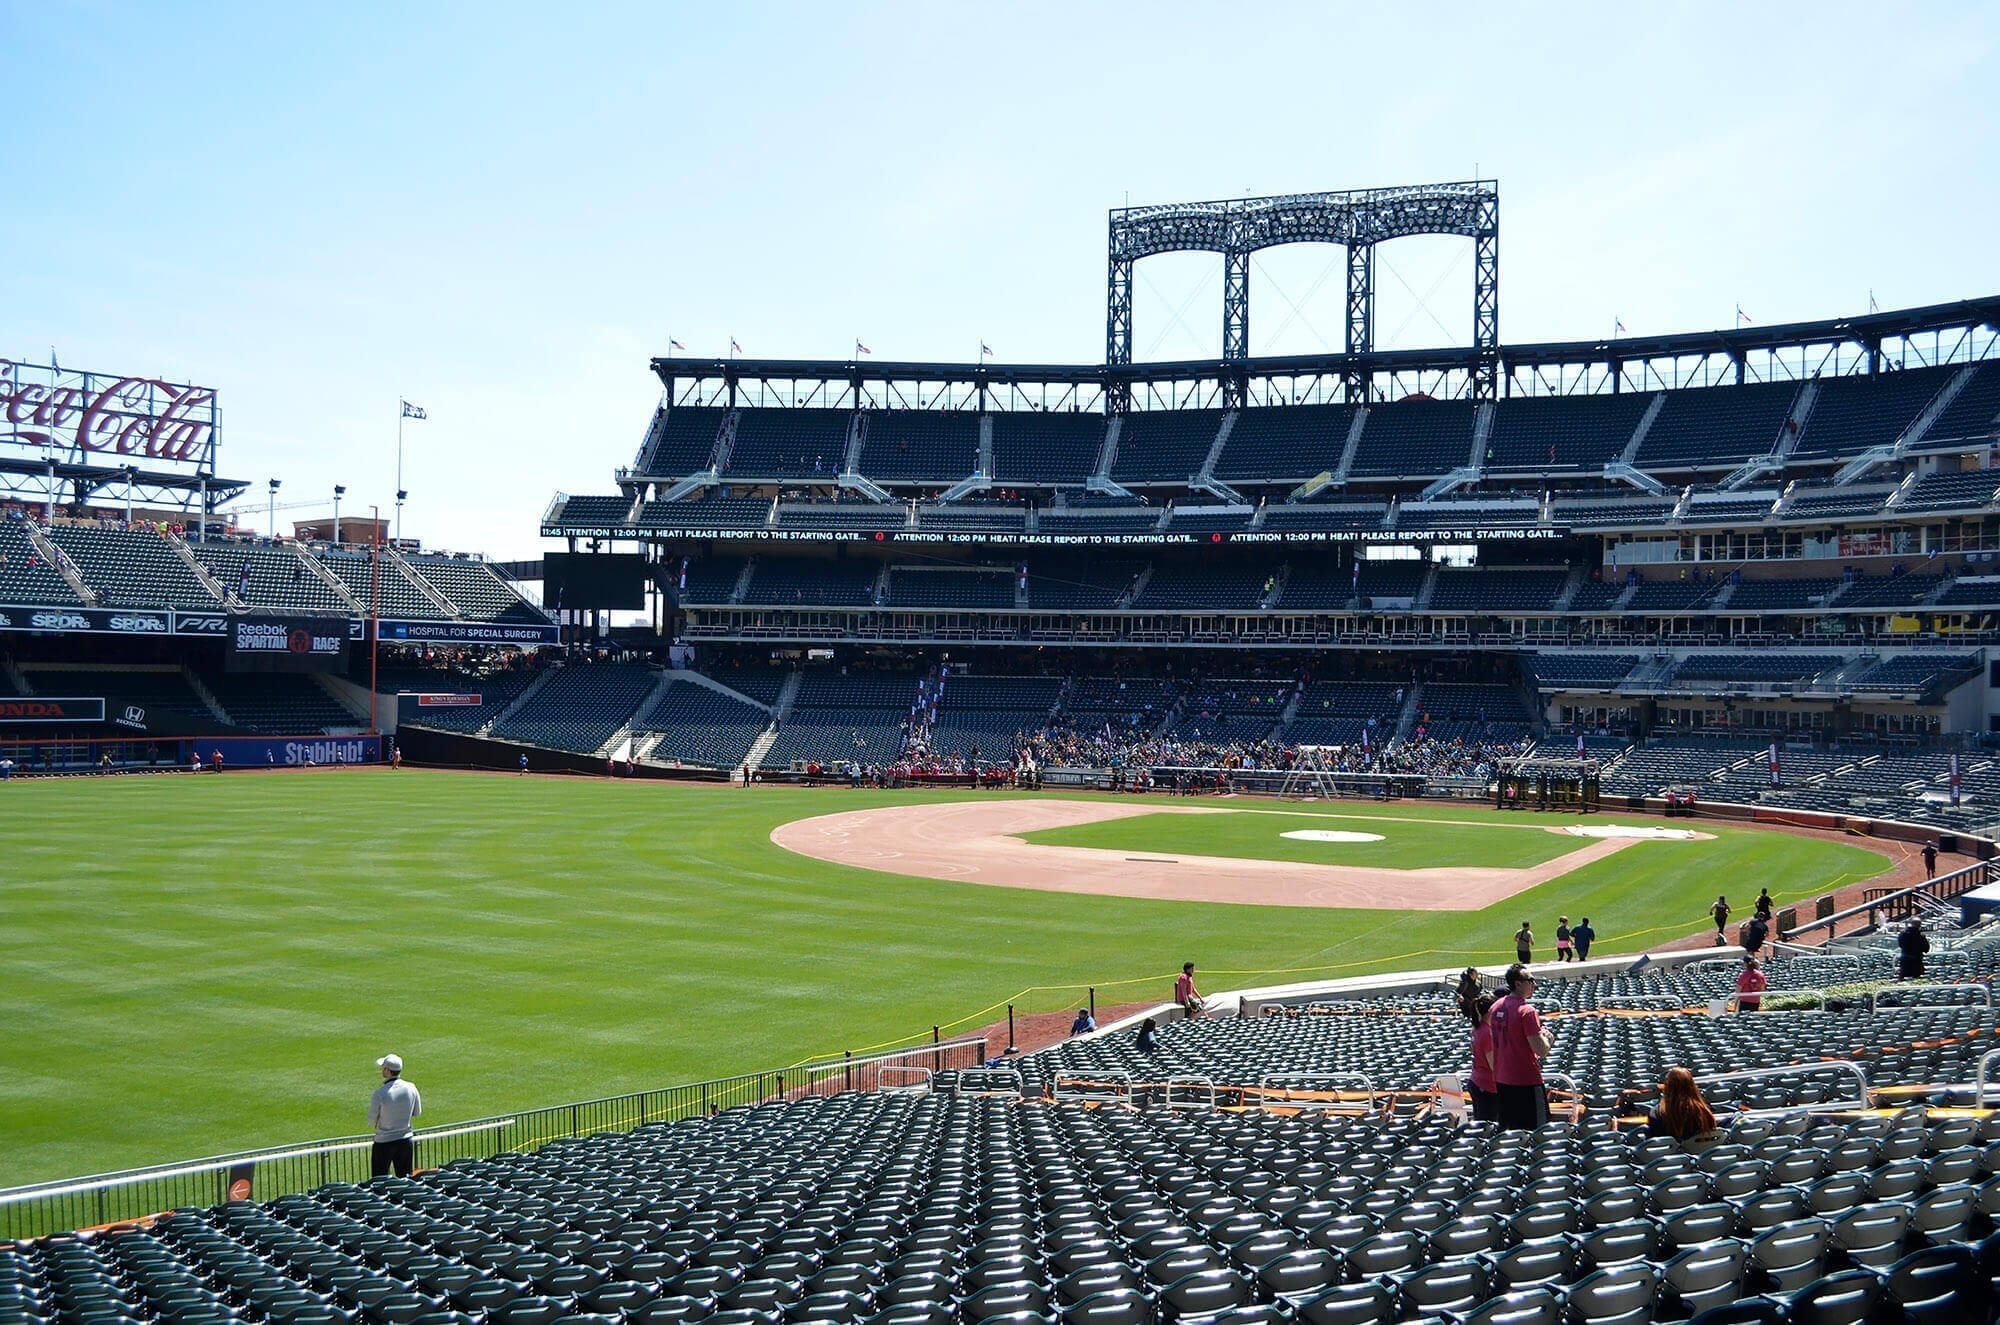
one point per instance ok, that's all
(1486, 300)
(1360, 317)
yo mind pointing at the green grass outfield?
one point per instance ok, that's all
(199, 965)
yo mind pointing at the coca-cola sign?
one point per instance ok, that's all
(82, 414)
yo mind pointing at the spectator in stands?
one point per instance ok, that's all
(1750, 982)
(392, 1110)
(1185, 993)
(1519, 1046)
(1524, 944)
(1911, 945)
(1084, 1023)
(1469, 993)
(1681, 1113)
(1564, 937)
(1755, 931)
(1721, 913)
(1930, 860)
(1479, 1084)
(1149, 1036)
(1764, 904)
(1583, 934)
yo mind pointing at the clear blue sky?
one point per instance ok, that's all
(501, 211)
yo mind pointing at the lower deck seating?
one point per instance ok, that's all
(699, 726)
(162, 691)
(278, 704)
(495, 690)
(579, 708)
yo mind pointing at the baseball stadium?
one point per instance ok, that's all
(778, 889)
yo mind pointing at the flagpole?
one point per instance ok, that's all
(399, 469)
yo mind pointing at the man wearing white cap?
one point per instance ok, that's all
(391, 1110)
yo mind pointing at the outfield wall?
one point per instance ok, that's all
(438, 749)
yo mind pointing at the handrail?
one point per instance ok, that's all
(923, 1085)
(1105, 1086)
(1838, 1066)
(1200, 1081)
(78, 1186)
(1985, 992)
(1986, 1060)
(1642, 1000)
(1281, 1084)
(1935, 888)
(1577, 1108)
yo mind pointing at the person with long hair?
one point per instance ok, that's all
(1681, 1113)
(1481, 1090)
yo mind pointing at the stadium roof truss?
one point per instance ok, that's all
(1357, 219)
(1965, 331)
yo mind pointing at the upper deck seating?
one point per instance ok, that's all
(1071, 585)
(1909, 590)
(400, 597)
(1542, 433)
(1584, 513)
(683, 442)
(595, 511)
(1049, 448)
(1851, 414)
(1166, 446)
(1415, 438)
(475, 589)
(131, 567)
(1717, 426)
(1316, 515)
(274, 577)
(1285, 442)
(935, 446)
(841, 515)
(1779, 595)
(788, 443)
(26, 579)
(1973, 415)
(1826, 502)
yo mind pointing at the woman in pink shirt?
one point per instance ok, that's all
(1185, 993)
(1479, 1082)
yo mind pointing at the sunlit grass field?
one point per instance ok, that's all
(197, 965)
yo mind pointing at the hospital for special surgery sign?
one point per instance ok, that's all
(84, 416)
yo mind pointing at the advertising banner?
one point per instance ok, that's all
(466, 632)
(285, 644)
(39, 709)
(285, 752)
(86, 621)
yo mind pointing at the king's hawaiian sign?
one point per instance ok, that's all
(87, 418)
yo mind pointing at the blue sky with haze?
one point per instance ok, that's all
(501, 211)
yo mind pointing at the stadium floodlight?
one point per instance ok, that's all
(272, 513)
(131, 475)
(339, 491)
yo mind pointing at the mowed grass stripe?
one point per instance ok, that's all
(196, 965)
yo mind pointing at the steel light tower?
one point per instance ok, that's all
(271, 514)
(339, 491)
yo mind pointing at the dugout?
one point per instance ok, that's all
(1532, 783)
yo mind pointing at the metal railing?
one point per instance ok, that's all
(55, 1207)
(1935, 995)
(1320, 1092)
(1954, 884)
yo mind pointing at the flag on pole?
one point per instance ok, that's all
(985, 350)
(1742, 317)
(734, 348)
(859, 348)
(1617, 326)
(1774, 763)
(413, 411)
(673, 344)
(1873, 307)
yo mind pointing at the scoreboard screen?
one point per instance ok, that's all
(575, 581)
